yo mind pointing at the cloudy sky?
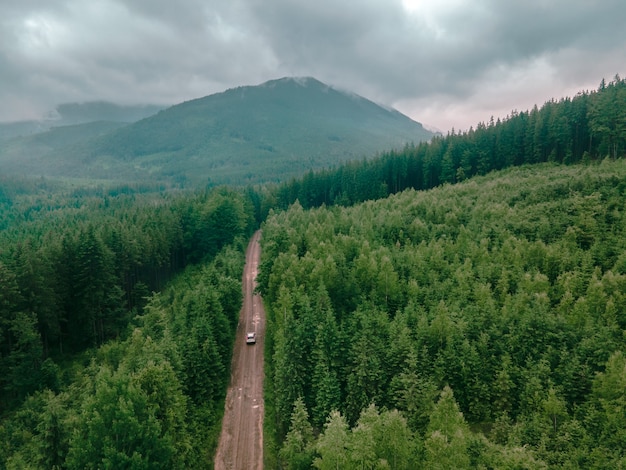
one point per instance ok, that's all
(445, 63)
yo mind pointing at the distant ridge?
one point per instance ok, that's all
(269, 132)
(70, 114)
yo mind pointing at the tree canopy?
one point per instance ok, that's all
(456, 304)
(488, 313)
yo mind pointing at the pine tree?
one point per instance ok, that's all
(297, 451)
(332, 445)
(26, 356)
(117, 428)
(325, 381)
(414, 394)
(608, 402)
(447, 435)
(362, 447)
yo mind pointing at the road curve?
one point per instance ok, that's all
(241, 442)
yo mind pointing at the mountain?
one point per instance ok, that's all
(272, 131)
(57, 152)
(80, 113)
(21, 128)
(68, 114)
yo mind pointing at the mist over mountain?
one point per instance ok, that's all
(79, 113)
(272, 131)
(67, 114)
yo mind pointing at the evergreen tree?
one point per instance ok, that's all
(325, 381)
(297, 451)
(117, 428)
(332, 445)
(607, 405)
(447, 435)
(23, 364)
(414, 395)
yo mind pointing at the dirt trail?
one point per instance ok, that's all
(241, 441)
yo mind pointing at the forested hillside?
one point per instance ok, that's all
(94, 371)
(467, 314)
(244, 135)
(589, 126)
(152, 400)
(490, 314)
(71, 114)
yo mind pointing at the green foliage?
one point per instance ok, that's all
(506, 288)
(382, 440)
(151, 395)
(79, 267)
(377, 441)
(297, 452)
(244, 135)
(117, 428)
(447, 435)
(24, 360)
(607, 424)
(589, 126)
(332, 445)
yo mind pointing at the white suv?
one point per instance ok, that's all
(251, 338)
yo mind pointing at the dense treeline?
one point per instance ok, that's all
(475, 324)
(490, 314)
(589, 126)
(153, 400)
(75, 269)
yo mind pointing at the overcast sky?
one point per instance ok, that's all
(445, 63)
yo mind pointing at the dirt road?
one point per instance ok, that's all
(241, 441)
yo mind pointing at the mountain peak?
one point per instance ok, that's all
(271, 131)
(300, 81)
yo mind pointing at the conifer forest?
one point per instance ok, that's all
(457, 303)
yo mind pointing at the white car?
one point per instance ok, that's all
(251, 338)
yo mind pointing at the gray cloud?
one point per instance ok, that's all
(450, 64)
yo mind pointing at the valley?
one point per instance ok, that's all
(241, 441)
(457, 302)
(246, 135)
